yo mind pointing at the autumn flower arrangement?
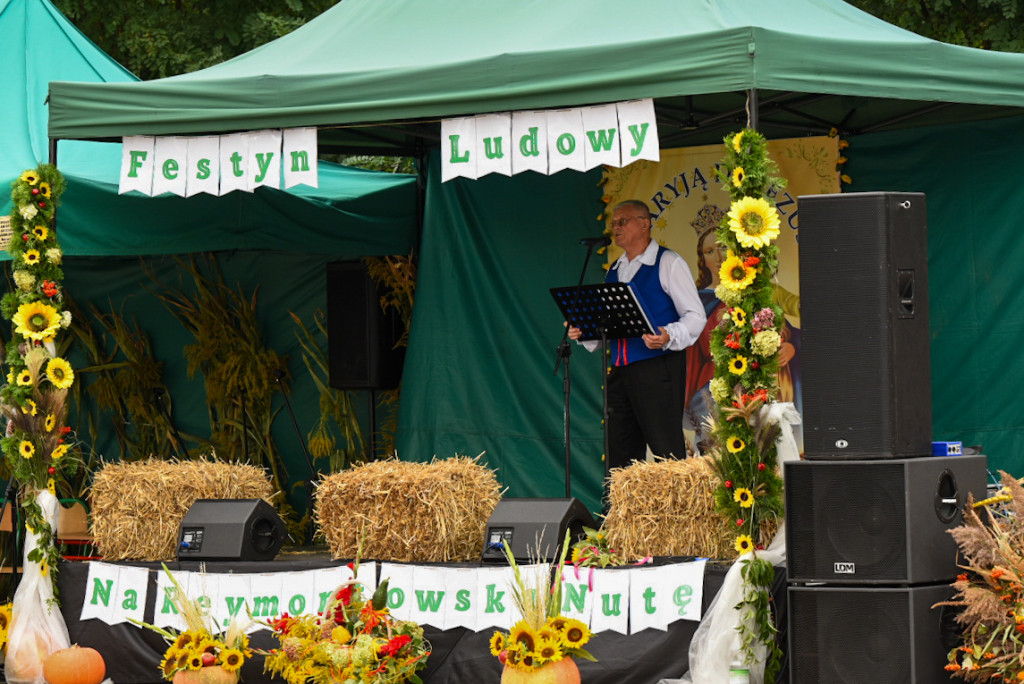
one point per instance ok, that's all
(543, 638)
(990, 591)
(34, 398)
(354, 640)
(201, 648)
(745, 347)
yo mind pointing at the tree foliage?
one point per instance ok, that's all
(987, 24)
(158, 38)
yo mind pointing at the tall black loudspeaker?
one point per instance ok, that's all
(882, 635)
(878, 522)
(231, 529)
(864, 326)
(360, 336)
(534, 528)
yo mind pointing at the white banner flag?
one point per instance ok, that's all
(639, 131)
(132, 591)
(529, 142)
(267, 588)
(494, 131)
(203, 156)
(165, 611)
(458, 148)
(101, 592)
(565, 140)
(577, 599)
(661, 595)
(494, 607)
(265, 159)
(235, 594)
(460, 594)
(611, 601)
(298, 156)
(430, 593)
(136, 164)
(170, 166)
(401, 600)
(601, 136)
(234, 163)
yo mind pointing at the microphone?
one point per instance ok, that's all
(599, 241)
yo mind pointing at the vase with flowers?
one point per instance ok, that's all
(354, 640)
(541, 647)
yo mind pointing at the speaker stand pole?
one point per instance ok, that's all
(563, 354)
(313, 474)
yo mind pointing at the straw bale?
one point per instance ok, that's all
(137, 507)
(411, 512)
(667, 508)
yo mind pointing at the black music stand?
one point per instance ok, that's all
(602, 312)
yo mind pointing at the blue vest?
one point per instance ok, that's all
(656, 302)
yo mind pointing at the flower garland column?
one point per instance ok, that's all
(34, 402)
(745, 347)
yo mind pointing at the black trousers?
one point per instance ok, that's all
(645, 406)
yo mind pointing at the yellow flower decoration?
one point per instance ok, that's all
(523, 634)
(44, 569)
(735, 445)
(50, 422)
(169, 664)
(52, 486)
(26, 449)
(737, 142)
(575, 633)
(31, 409)
(36, 321)
(40, 232)
(195, 661)
(497, 643)
(738, 176)
(340, 635)
(739, 316)
(44, 189)
(549, 651)
(25, 378)
(231, 659)
(30, 177)
(31, 257)
(754, 222)
(734, 274)
(744, 497)
(744, 544)
(738, 365)
(58, 371)
(58, 453)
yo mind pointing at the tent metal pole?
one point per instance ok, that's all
(53, 151)
(752, 113)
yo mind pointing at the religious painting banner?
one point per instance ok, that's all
(688, 202)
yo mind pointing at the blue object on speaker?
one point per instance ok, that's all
(947, 448)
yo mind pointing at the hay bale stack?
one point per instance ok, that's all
(137, 507)
(667, 508)
(411, 512)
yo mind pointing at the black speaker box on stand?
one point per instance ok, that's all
(534, 528)
(864, 326)
(230, 530)
(361, 336)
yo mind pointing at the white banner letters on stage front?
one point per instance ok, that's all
(625, 600)
(218, 165)
(549, 141)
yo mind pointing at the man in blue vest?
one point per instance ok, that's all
(646, 380)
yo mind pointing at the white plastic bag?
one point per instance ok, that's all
(37, 627)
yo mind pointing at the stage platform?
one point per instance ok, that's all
(460, 656)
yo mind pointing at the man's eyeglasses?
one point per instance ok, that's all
(621, 223)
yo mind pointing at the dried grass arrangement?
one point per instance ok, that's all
(667, 508)
(411, 512)
(137, 507)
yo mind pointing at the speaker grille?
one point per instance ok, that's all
(864, 320)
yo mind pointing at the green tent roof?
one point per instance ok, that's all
(366, 62)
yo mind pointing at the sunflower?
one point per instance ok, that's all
(30, 177)
(744, 497)
(57, 454)
(195, 661)
(26, 449)
(523, 634)
(738, 365)
(182, 661)
(739, 316)
(51, 486)
(754, 221)
(5, 616)
(169, 665)
(737, 142)
(735, 445)
(738, 176)
(44, 189)
(497, 643)
(25, 378)
(734, 274)
(231, 659)
(31, 257)
(575, 634)
(50, 422)
(30, 408)
(744, 544)
(40, 232)
(36, 321)
(548, 650)
(58, 371)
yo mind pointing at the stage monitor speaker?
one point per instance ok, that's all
(882, 635)
(361, 337)
(230, 530)
(878, 522)
(534, 528)
(864, 326)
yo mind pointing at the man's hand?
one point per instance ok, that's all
(654, 341)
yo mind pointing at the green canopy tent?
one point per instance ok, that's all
(478, 373)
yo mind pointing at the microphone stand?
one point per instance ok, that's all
(563, 353)
(314, 475)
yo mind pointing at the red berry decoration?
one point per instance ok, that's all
(761, 467)
(35, 191)
(728, 484)
(755, 365)
(51, 470)
(739, 523)
(42, 205)
(25, 237)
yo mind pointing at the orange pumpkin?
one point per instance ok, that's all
(205, 675)
(562, 672)
(75, 665)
